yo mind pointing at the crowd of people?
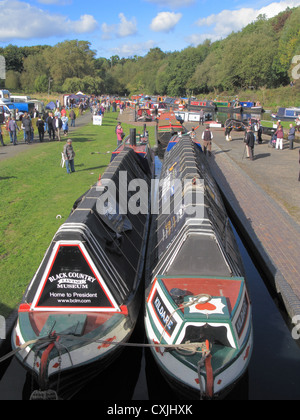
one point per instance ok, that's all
(56, 123)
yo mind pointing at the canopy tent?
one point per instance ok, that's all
(51, 105)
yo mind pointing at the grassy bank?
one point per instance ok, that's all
(34, 191)
(271, 99)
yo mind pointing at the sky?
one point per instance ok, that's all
(129, 27)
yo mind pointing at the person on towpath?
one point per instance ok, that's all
(69, 155)
(207, 137)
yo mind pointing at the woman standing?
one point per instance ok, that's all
(120, 133)
(279, 133)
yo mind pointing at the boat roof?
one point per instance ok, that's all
(186, 244)
(104, 249)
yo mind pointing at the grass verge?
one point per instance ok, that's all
(35, 189)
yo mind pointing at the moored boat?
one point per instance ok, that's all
(167, 126)
(287, 114)
(251, 107)
(84, 299)
(198, 311)
(229, 106)
(197, 104)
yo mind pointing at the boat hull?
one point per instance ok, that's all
(198, 315)
(73, 361)
(186, 382)
(83, 303)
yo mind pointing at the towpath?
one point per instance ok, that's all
(264, 199)
(10, 151)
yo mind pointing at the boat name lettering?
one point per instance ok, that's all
(163, 314)
(68, 278)
(240, 323)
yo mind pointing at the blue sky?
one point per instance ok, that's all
(129, 27)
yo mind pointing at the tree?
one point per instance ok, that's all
(70, 59)
(12, 81)
(73, 84)
(41, 83)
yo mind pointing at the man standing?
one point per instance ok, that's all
(69, 155)
(72, 117)
(49, 121)
(57, 126)
(201, 116)
(41, 128)
(26, 121)
(250, 140)
(207, 136)
(291, 136)
(12, 126)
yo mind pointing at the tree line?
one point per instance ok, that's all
(258, 56)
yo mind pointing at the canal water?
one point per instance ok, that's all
(273, 373)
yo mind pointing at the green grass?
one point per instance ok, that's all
(34, 190)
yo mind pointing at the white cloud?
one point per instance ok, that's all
(123, 29)
(130, 50)
(173, 4)
(126, 27)
(165, 21)
(227, 21)
(26, 21)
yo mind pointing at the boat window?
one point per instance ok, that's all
(215, 335)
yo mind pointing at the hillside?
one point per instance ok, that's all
(259, 61)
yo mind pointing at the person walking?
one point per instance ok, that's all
(49, 122)
(207, 137)
(120, 133)
(250, 141)
(41, 128)
(279, 133)
(27, 124)
(72, 117)
(1, 137)
(57, 126)
(69, 155)
(13, 127)
(201, 114)
(65, 124)
(291, 136)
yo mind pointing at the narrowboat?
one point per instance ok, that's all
(198, 316)
(287, 114)
(144, 115)
(83, 302)
(167, 126)
(229, 106)
(206, 105)
(251, 107)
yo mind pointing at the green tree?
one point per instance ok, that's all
(12, 81)
(70, 59)
(41, 83)
(73, 84)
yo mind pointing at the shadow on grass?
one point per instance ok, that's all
(2, 178)
(89, 169)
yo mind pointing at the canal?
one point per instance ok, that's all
(273, 373)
